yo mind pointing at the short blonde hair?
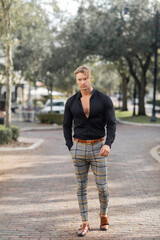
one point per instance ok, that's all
(83, 69)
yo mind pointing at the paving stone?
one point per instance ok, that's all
(38, 190)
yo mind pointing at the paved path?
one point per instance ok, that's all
(38, 191)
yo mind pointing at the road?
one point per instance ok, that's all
(38, 190)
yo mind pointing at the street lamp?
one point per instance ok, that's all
(134, 100)
(126, 18)
(126, 14)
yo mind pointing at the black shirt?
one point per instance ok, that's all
(101, 114)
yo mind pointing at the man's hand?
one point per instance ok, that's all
(105, 150)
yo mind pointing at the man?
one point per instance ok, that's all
(91, 111)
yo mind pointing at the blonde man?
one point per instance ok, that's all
(91, 112)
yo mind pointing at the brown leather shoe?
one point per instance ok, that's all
(104, 223)
(84, 229)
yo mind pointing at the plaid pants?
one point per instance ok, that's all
(84, 155)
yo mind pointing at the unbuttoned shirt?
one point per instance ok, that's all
(101, 120)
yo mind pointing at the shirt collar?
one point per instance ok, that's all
(79, 95)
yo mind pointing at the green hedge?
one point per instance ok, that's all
(50, 118)
(15, 132)
(7, 135)
(157, 102)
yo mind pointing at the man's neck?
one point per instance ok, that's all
(87, 92)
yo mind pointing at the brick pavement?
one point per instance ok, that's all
(38, 191)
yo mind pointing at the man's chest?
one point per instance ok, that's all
(88, 108)
(85, 101)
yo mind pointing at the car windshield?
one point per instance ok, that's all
(56, 104)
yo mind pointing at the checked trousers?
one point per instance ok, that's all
(85, 155)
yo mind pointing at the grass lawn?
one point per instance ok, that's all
(127, 116)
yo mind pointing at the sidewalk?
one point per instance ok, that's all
(35, 126)
(38, 190)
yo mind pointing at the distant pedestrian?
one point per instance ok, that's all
(91, 111)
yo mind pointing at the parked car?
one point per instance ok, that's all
(58, 106)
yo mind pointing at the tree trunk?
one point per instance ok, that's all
(0, 92)
(15, 96)
(125, 80)
(141, 104)
(29, 102)
(51, 99)
(22, 99)
(9, 65)
(124, 94)
(6, 5)
(35, 101)
(141, 86)
(8, 85)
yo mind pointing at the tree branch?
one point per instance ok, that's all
(140, 61)
(9, 5)
(147, 63)
(133, 73)
(2, 1)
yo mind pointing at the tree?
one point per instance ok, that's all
(19, 17)
(40, 55)
(6, 35)
(102, 31)
(123, 71)
(34, 37)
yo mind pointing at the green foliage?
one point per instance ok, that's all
(15, 132)
(5, 135)
(33, 40)
(49, 53)
(105, 76)
(102, 31)
(50, 118)
(157, 102)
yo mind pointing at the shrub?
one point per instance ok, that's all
(50, 118)
(15, 132)
(157, 102)
(5, 135)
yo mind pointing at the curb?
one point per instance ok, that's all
(154, 153)
(36, 143)
(40, 129)
(138, 124)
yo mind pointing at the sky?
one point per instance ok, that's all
(69, 5)
(68, 9)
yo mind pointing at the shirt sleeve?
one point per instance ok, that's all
(67, 125)
(110, 120)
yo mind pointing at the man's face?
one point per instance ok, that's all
(83, 81)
